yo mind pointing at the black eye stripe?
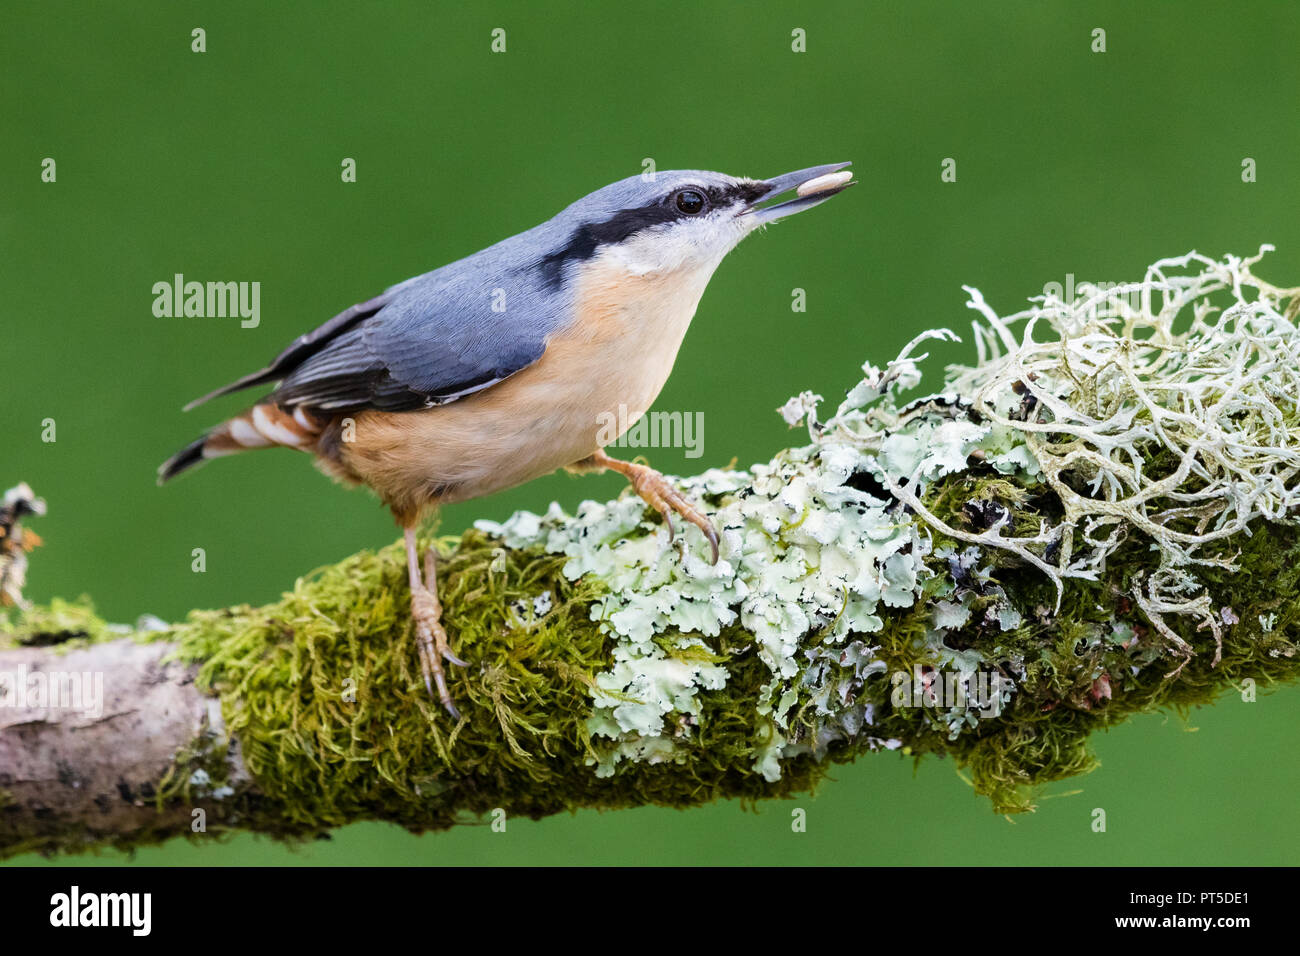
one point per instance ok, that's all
(586, 240)
(745, 191)
(625, 223)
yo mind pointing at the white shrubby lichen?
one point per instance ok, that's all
(815, 545)
(1152, 409)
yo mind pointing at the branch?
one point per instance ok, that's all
(1072, 532)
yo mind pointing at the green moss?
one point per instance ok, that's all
(524, 746)
(62, 624)
(323, 692)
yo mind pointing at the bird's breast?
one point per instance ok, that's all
(627, 331)
(599, 373)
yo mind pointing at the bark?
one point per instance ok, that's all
(90, 778)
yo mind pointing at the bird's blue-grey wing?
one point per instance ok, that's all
(436, 339)
(429, 340)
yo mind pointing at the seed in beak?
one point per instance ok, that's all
(823, 183)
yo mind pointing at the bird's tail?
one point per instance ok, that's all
(262, 426)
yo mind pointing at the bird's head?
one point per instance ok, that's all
(666, 221)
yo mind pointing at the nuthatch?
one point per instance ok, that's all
(508, 364)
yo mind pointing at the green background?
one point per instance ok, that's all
(225, 166)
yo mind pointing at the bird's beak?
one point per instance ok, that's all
(812, 186)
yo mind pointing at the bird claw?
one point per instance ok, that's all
(658, 492)
(431, 639)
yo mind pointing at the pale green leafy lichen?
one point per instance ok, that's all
(811, 552)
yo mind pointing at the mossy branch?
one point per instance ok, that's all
(941, 577)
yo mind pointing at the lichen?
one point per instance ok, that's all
(1126, 430)
(813, 551)
(1152, 411)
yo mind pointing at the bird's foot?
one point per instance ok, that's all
(431, 639)
(658, 492)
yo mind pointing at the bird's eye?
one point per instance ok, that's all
(690, 201)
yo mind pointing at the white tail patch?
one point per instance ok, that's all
(245, 434)
(263, 426)
(280, 428)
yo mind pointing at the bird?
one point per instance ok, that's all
(507, 365)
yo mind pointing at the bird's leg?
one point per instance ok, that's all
(431, 583)
(658, 492)
(426, 612)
